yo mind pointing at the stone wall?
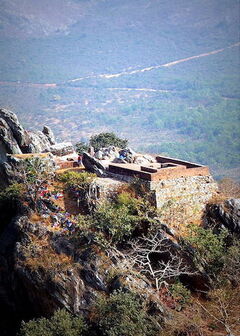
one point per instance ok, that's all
(182, 200)
(160, 174)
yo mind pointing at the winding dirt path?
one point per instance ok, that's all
(124, 73)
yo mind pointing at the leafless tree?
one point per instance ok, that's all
(154, 257)
(223, 308)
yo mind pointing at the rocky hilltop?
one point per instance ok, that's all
(63, 248)
(14, 139)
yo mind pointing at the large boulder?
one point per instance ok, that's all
(8, 144)
(16, 128)
(49, 134)
(93, 165)
(62, 148)
(38, 142)
(224, 215)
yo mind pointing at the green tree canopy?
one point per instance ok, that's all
(107, 139)
(62, 323)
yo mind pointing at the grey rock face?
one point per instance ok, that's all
(127, 154)
(225, 214)
(8, 144)
(62, 148)
(15, 140)
(38, 142)
(17, 130)
(49, 134)
(40, 291)
(93, 165)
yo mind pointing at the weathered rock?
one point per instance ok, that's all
(93, 165)
(17, 130)
(225, 214)
(15, 140)
(93, 279)
(8, 143)
(49, 134)
(6, 174)
(27, 289)
(37, 143)
(99, 155)
(62, 148)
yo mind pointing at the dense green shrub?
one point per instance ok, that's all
(123, 314)
(13, 192)
(107, 139)
(72, 179)
(81, 147)
(116, 222)
(210, 248)
(62, 323)
(180, 293)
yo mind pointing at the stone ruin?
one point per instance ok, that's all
(179, 189)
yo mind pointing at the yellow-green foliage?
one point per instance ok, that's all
(180, 293)
(14, 191)
(62, 323)
(72, 179)
(123, 314)
(116, 221)
(210, 248)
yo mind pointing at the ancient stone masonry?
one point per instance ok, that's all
(179, 189)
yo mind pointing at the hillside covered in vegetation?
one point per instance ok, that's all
(77, 262)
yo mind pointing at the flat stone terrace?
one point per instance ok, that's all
(166, 168)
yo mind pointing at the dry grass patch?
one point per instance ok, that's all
(39, 254)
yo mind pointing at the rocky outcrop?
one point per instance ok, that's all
(62, 148)
(15, 140)
(49, 134)
(8, 143)
(18, 132)
(37, 143)
(107, 153)
(224, 215)
(93, 165)
(42, 271)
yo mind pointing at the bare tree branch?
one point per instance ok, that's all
(154, 257)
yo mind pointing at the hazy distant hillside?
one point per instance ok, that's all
(195, 116)
(60, 39)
